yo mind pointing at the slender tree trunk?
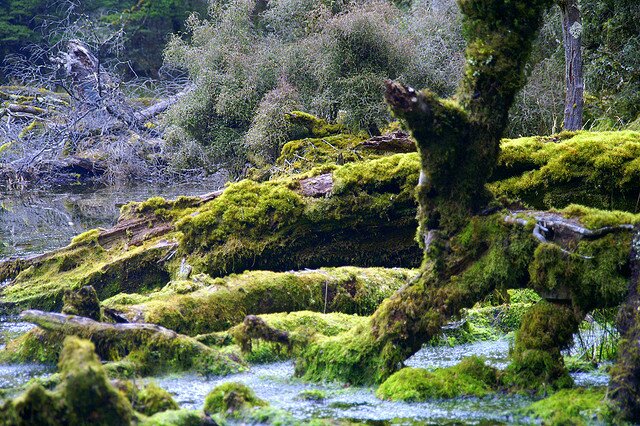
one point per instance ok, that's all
(574, 79)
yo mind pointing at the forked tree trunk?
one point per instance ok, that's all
(574, 79)
(458, 144)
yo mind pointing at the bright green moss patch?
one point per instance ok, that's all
(298, 326)
(119, 269)
(306, 154)
(578, 407)
(231, 398)
(224, 302)
(471, 377)
(271, 226)
(597, 169)
(596, 218)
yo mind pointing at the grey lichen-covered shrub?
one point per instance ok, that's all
(334, 56)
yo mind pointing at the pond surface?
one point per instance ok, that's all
(34, 222)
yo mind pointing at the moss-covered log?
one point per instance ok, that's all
(203, 304)
(142, 348)
(366, 218)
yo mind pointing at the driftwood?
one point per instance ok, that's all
(398, 141)
(81, 326)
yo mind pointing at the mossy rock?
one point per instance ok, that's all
(471, 377)
(152, 399)
(177, 418)
(231, 399)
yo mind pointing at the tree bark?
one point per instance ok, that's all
(574, 79)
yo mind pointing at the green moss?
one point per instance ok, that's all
(224, 302)
(578, 406)
(298, 326)
(231, 398)
(594, 275)
(143, 352)
(596, 169)
(491, 255)
(109, 271)
(153, 399)
(536, 360)
(177, 418)
(303, 155)
(271, 226)
(471, 377)
(83, 302)
(316, 126)
(484, 323)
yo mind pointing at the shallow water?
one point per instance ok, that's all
(14, 375)
(275, 383)
(36, 222)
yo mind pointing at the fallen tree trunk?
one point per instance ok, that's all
(366, 217)
(203, 305)
(149, 348)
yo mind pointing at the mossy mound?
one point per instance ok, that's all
(368, 219)
(217, 304)
(537, 363)
(597, 169)
(577, 406)
(84, 396)
(303, 155)
(152, 399)
(471, 377)
(230, 399)
(298, 328)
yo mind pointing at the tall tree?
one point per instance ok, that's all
(468, 253)
(574, 77)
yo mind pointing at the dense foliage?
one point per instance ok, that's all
(146, 23)
(251, 64)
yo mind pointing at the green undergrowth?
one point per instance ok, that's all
(203, 304)
(471, 377)
(482, 324)
(578, 406)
